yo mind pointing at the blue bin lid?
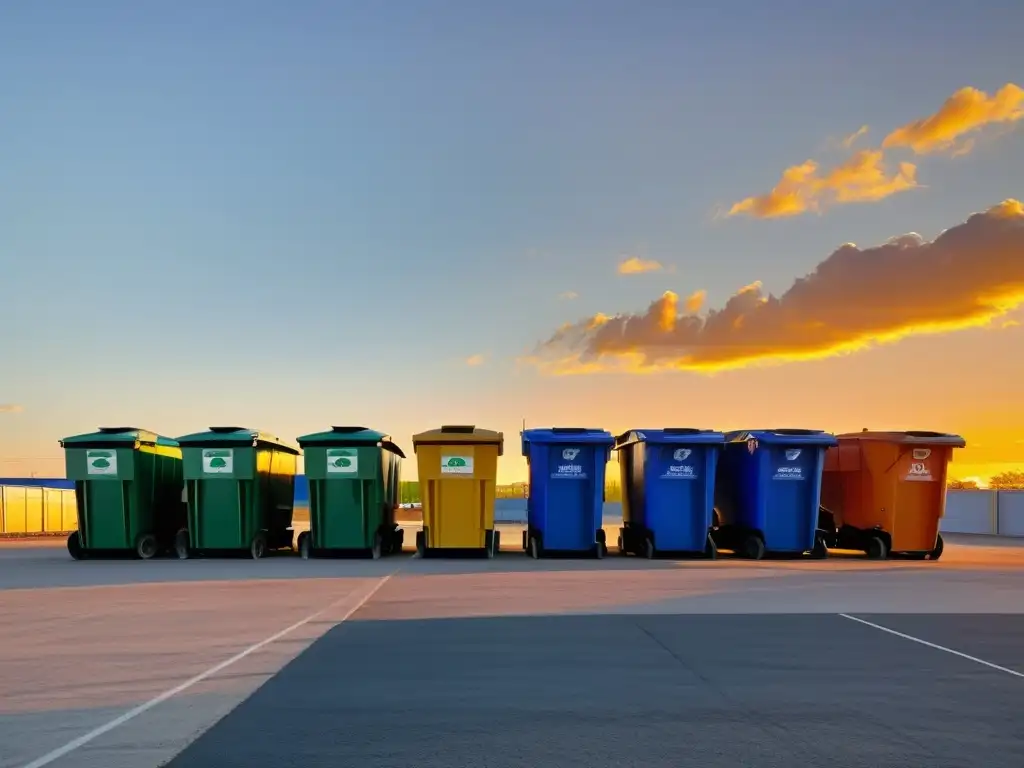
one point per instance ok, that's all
(783, 436)
(670, 436)
(575, 435)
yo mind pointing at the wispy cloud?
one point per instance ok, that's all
(850, 140)
(804, 188)
(10, 408)
(636, 266)
(966, 111)
(855, 298)
(475, 360)
(866, 176)
(568, 295)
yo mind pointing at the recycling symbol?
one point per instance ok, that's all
(342, 461)
(456, 461)
(682, 454)
(570, 453)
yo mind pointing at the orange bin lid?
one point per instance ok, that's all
(910, 437)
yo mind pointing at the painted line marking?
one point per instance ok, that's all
(936, 646)
(131, 714)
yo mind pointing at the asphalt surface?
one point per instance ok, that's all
(752, 691)
(511, 662)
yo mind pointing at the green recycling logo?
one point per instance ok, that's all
(218, 461)
(342, 461)
(101, 462)
(456, 465)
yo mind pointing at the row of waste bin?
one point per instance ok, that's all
(685, 490)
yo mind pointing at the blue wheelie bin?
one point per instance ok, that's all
(668, 490)
(566, 503)
(768, 492)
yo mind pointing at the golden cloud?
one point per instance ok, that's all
(475, 360)
(856, 298)
(850, 140)
(636, 266)
(966, 111)
(864, 177)
(10, 408)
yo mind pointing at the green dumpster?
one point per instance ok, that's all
(353, 492)
(128, 486)
(241, 491)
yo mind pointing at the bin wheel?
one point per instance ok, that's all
(146, 546)
(533, 548)
(711, 549)
(258, 548)
(399, 540)
(820, 550)
(496, 538)
(940, 545)
(181, 544)
(75, 546)
(622, 547)
(600, 550)
(753, 547)
(375, 550)
(421, 544)
(526, 541)
(304, 545)
(649, 548)
(876, 549)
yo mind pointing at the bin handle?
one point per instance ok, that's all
(465, 429)
(347, 430)
(387, 445)
(570, 430)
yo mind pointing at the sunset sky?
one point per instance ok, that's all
(620, 215)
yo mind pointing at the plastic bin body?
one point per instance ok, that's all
(769, 483)
(458, 470)
(567, 473)
(894, 482)
(240, 482)
(668, 485)
(128, 483)
(351, 472)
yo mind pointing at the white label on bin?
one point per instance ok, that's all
(342, 461)
(101, 462)
(920, 454)
(919, 471)
(456, 465)
(569, 472)
(681, 454)
(218, 461)
(788, 473)
(680, 472)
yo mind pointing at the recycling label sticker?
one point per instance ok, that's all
(456, 465)
(101, 462)
(343, 461)
(218, 461)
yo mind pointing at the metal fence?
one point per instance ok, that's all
(26, 511)
(34, 511)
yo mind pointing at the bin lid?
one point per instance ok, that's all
(350, 437)
(910, 437)
(114, 436)
(459, 434)
(574, 435)
(782, 436)
(237, 437)
(670, 436)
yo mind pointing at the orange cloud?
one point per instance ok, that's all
(475, 360)
(636, 266)
(966, 111)
(864, 177)
(10, 408)
(966, 277)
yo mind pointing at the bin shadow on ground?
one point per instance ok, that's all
(636, 690)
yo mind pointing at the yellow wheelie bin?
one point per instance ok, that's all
(458, 470)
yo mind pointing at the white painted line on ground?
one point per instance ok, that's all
(131, 714)
(936, 646)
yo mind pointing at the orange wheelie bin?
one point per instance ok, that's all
(886, 491)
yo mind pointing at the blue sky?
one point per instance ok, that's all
(301, 214)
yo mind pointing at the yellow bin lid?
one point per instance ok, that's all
(459, 434)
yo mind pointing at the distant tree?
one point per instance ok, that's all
(1007, 481)
(962, 485)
